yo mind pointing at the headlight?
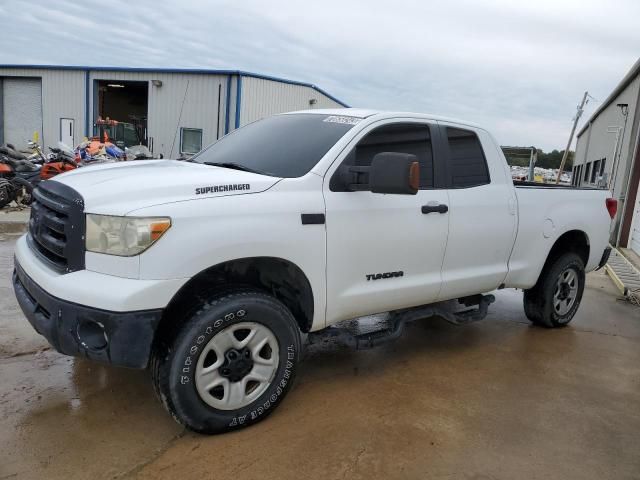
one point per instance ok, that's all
(123, 236)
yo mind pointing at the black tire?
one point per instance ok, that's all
(540, 303)
(174, 361)
(27, 197)
(6, 192)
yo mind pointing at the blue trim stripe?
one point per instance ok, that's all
(87, 84)
(227, 106)
(178, 70)
(238, 100)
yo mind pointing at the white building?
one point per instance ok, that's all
(176, 111)
(607, 155)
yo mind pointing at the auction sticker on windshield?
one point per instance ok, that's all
(342, 119)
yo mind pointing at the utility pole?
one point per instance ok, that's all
(573, 130)
(533, 158)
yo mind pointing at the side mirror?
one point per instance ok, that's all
(393, 172)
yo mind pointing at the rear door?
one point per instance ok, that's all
(383, 252)
(482, 213)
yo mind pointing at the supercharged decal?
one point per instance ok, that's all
(223, 188)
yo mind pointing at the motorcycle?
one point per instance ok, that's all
(61, 159)
(17, 180)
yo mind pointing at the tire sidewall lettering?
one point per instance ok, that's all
(203, 339)
(275, 395)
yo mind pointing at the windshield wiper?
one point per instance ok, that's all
(235, 166)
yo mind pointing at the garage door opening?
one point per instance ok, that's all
(126, 103)
(20, 110)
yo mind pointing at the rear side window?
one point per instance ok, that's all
(411, 138)
(467, 163)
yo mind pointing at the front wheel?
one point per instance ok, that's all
(555, 299)
(231, 363)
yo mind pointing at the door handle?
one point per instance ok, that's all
(437, 208)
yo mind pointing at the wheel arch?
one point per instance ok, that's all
(279, 277)
(571, 241)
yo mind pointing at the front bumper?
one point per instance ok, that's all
(111, 290)
(117, 338)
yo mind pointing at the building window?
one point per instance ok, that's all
(587, 172)
(190, 140)
(467, 165)
(578, 176)
(595, 171)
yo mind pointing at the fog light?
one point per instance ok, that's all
(92, 335)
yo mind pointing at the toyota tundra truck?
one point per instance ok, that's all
(210, 272)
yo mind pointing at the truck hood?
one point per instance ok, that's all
(121, 187)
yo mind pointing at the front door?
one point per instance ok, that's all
(383, 252)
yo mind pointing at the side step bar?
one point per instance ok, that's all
(399, 318)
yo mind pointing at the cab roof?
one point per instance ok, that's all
(382, 114)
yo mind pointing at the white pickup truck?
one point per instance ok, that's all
(209, 272)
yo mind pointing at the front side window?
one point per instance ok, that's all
(285, 146)
(191, 140)
(411, 138)
(467, 163)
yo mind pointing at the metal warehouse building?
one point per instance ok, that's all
(607, 155)
(173, 111)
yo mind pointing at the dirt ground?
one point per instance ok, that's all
(498, 399)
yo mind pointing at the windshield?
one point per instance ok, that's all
(281, 146)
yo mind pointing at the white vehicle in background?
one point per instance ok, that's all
(209, 272)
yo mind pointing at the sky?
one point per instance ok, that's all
(517, 68)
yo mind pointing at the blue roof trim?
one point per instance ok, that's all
(87, 84)
(178, 70)
(238, 100)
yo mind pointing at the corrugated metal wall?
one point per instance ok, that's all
(188, 100)
(596, 143)
(183, 100)
(261, 98)
(62, 97)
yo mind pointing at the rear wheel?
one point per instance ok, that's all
(555, 299)
(231, 363)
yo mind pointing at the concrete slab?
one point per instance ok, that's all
(498, 399)
(14, 220)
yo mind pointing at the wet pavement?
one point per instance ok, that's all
(498, 399)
